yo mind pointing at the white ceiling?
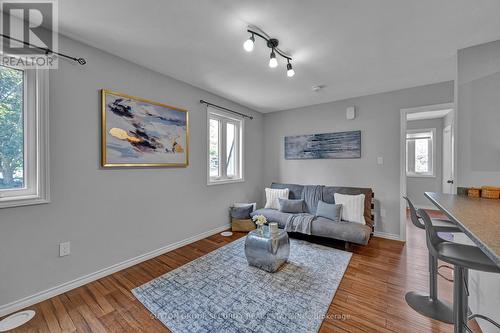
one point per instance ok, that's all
(353, 47)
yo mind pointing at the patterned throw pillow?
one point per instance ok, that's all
(272, 196)
(353, 207)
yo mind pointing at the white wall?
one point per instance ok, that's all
(378, 118)
(417, 186)
(478, 120)
(114, 214)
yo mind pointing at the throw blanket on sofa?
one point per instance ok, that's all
(312, 194)
(299, 223)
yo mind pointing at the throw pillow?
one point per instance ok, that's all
(272, 195)
(291, 206)
(242, 212)
(242, 204)
(353, 207)
(330, 211)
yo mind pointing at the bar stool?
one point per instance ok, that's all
(463, 257)
(430, 305)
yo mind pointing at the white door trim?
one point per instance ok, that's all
(402, 159)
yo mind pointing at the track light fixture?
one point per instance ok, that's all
(272, 43)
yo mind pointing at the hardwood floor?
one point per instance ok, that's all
(370, 297)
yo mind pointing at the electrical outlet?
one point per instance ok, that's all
(64, 249)
(380, 160)
(383, 213)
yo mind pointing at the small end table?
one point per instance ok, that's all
(266, 250)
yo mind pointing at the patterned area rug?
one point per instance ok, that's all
(219, 292)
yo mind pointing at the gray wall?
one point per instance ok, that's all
(378, 118)
(478, 120)
(479, 115)
(416, 186)
(113, 215)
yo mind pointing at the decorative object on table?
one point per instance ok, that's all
(490, 192)
(323, 146)
(226, 234)
(140, 133)
(259, 220)
(273, 228)
(217, 290)
(240, 217)
(267, 250)
(273, 195)
(474, 192)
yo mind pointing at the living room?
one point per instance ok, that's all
(143, 150)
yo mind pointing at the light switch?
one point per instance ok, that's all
(380, 160)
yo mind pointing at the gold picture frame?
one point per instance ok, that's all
(130, 128)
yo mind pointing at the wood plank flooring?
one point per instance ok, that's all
(370, 297)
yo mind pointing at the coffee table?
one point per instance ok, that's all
(266, 250)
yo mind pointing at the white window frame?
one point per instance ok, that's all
(432, 172)
(226, 118)
(36, 143)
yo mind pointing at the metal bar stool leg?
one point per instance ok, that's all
(459, 299)
(430, 305)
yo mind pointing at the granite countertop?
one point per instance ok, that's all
(477, 217)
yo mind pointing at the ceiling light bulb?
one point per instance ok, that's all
(248, 44)
(273, 62)
(289, 70)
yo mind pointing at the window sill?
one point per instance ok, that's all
(416, 175)
(27, 200)
(225, 181)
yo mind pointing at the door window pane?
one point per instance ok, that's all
(214, 153)
(421, 155)
(231, 149)
(11, 128)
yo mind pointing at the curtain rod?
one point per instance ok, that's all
(81, 61)
(226, 109)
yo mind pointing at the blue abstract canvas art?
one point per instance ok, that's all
(138, 132)
(323, 146)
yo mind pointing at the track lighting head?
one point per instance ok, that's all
(289, 70)
(271, 43)
(249, 44)
(273, 62)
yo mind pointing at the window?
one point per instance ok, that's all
(420, 152)
(23, 137)
(225, 147)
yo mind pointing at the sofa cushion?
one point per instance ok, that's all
(273, 215)
(242, 212)
(272, 196)
(291, 206)
(346, 231)
(329, 192)
(329, 211)
(295, 191)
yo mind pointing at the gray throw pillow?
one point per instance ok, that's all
(242, 212)
(330, 211)
(291, 206)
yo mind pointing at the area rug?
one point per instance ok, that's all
(219, 292)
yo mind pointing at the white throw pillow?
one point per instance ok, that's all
(272, 196)
(353, 207)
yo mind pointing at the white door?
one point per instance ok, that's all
(448, 160)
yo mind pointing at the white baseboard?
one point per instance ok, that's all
(57, 290)
(386, 235)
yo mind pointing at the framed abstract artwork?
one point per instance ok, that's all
(322, 146)
(136, 132)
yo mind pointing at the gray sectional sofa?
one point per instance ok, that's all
(345, 231)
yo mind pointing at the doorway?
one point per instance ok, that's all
(427, 155)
